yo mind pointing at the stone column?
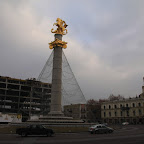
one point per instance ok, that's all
(55, 109)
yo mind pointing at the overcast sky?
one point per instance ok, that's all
(105, 42)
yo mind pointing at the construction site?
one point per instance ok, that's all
(25, 98)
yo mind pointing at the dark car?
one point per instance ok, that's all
(34, 130)
(100, 129)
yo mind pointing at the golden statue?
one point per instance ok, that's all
(60, 30)
(61, 27)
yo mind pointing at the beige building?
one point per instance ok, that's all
(125, 110)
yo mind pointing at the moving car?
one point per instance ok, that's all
(100, 128)
(34, 130)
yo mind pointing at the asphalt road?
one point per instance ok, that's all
(131, 134)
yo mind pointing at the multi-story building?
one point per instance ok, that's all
(77, 111)
(125, 110)
(26, 97)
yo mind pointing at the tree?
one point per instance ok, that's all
(103, 100)
(93, 111)
(112, 97)
(92, 102)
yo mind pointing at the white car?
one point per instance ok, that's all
(100, 128)
(125, 123)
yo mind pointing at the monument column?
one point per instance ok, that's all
(56, 79)
(57, 45)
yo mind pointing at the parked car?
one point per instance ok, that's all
(100, 128)
(34, 130)
(105, 124)
(125, 123)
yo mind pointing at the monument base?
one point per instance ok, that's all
(55, 114)
(54, 118)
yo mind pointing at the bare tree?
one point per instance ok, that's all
(113, 97)
(93, 111)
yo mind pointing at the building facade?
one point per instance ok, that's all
(125, 110)
(77, 111)
(26, 97)
(85, 112)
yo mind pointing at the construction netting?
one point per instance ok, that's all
(71, 91)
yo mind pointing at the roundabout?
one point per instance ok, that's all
(131, 134)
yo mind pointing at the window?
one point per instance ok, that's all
(115, 113)
(39, 127)
(133, 104)
(104, 114)
(134, 113)
(140, 112)
(33, 126)
(121, 113)
(109, 107)
(127, 112)
(115, 106)
(110, 114)
(120, 105)
(139, 104)
(104, 107)
(126, 105)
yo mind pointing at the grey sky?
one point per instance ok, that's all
(105, 42)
